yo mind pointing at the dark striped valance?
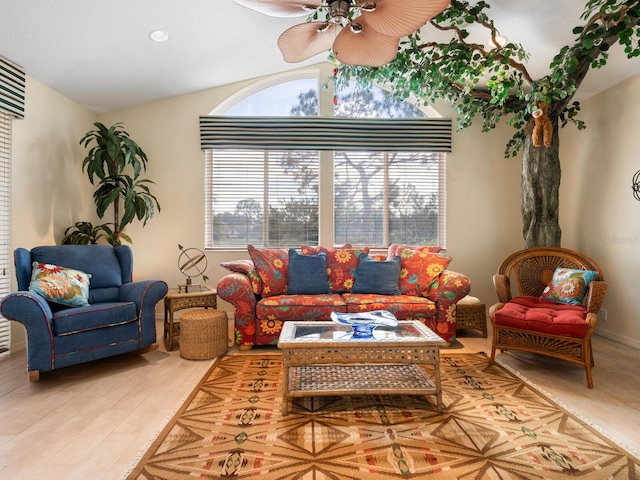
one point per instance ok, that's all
(326, 133)
(12, 82)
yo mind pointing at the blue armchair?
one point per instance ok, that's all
(119, 317)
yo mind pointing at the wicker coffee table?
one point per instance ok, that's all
(321, 358)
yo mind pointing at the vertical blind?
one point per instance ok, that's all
(12, 88)
(5, 205)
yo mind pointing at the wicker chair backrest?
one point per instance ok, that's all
(532, 268)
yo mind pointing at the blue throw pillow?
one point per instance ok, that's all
(375, 276)
(307, 274)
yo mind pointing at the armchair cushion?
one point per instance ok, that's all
(543, 316)
(61, 285)
(568, 285)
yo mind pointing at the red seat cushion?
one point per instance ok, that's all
(543, 316)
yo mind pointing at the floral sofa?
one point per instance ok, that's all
(281, 284)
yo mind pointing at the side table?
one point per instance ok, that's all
(178, 299)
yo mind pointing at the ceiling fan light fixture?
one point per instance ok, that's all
(368, 6)
(339, 8)
(356, 27)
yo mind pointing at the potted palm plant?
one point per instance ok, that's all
(115, 162)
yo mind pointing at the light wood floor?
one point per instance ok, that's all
(91, 421)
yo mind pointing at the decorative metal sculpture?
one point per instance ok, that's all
(635, 185)
(192, 262)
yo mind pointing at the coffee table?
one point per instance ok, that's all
(322, 358)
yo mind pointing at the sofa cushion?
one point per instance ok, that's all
(543, 316)
(419, 269)
(375, 276)
(307, 274)
(404, 307)
(342, 263)
(568, 285)
(272, 265)
(57, 284)
(92, 317)
(299, 307)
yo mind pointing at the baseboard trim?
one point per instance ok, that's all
(629, 342)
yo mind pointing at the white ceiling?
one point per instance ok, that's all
(98, 53)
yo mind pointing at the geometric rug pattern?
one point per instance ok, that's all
(493, 426)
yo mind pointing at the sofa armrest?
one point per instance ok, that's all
(448, 288)
(236, 289)
(445, 291)
(35, 314)
(145, 295)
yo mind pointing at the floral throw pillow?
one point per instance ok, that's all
(393, 248)
(60, 285)
(419, 269)
(342, 264)
(272, 265)
(568, 285)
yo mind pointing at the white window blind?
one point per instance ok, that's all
(389, 197)
(261, 197)
(5, 205)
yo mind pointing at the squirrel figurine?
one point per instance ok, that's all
(542, 129)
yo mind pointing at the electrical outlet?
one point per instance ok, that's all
(602, 316)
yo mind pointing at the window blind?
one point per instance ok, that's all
(5, 206)
(12, 88)
(390, 197)
(326, 133)
(261, 197)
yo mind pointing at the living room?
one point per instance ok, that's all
(598, 215)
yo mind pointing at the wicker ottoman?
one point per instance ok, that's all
(471, 313)
(203, 334)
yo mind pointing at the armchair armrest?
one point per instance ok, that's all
(145, 294)
(595, 296)
(35, 314)
(236, 289)
(502, 284)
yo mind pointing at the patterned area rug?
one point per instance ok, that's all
(494, 426)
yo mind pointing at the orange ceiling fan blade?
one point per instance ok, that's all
(397, 18)
(367, 48)
(281, 8)
(306, 40)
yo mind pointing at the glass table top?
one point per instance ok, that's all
(329, 332)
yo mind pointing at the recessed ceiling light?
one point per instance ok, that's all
(158, 36)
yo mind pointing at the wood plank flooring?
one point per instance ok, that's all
(91, 421)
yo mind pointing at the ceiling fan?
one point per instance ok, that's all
(360, 32)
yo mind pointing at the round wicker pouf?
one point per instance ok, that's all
(203, 334)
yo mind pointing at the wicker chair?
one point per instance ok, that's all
(532, 269)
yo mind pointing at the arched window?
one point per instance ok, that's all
(289, 197)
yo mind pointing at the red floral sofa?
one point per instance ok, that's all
(259, 290)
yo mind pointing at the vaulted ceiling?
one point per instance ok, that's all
(98, 53)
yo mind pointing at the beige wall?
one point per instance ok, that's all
(598, 213)
(49, 191)
(483, 223)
